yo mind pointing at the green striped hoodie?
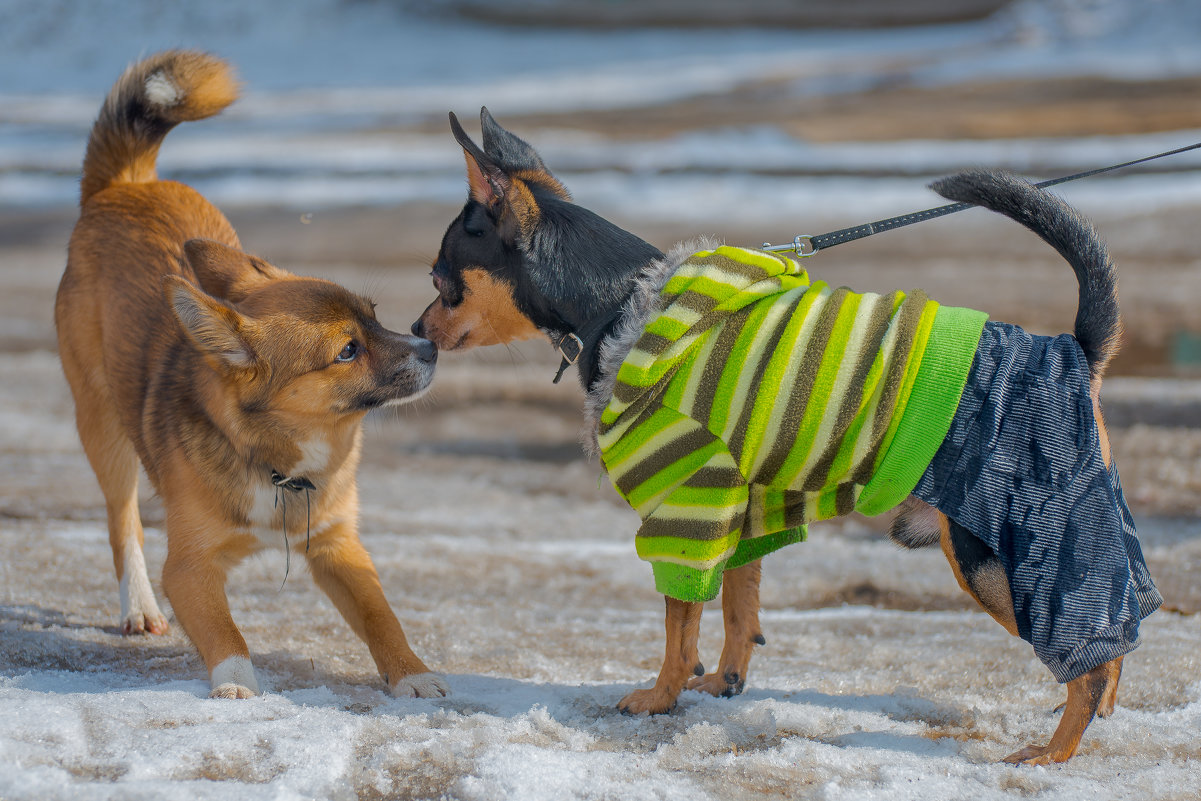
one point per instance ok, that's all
(739, 401)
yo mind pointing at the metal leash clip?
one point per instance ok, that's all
(802, 245)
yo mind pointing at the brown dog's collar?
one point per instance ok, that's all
(291, 484)
(294, 486)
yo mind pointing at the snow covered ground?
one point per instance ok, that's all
(517, 577)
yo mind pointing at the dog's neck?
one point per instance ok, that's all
(603, 357)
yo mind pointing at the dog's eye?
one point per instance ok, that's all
(348, 353)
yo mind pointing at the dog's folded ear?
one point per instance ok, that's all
(226, 272)
(213, 326)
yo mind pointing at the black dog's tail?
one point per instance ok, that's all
(1098, 324)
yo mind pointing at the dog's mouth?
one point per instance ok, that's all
(404, 387)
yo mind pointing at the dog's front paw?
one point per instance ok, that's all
(139, 623)
(420, 685)
(234, 678)
(726, 685)
(654, 701)
(231, 690)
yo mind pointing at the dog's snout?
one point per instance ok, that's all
(426, 351)
(418, 328)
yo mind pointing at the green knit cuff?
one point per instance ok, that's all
(687, 583)
(757, 547)
(939, 383)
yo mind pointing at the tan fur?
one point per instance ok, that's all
(740, 616)
(487, 315)
(212, 393)
(683, 625)
(991, 591)
(1087, 695)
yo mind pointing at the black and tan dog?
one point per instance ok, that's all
(240, 387)
(522, 261)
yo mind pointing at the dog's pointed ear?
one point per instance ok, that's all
(488, 183)
(226, 272)
(213, 326)
(516, 156)
(507, 149)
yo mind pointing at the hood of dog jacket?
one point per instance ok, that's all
(739, 401)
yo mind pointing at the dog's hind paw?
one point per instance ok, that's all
(726, 685)
(231, 690)
(420, 685)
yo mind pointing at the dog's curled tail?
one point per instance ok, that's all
(1098, 323)
(152, 97)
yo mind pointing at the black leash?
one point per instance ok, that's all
(805, 245)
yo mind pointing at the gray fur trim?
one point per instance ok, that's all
(640, 308)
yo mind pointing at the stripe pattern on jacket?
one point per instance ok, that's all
(753, 402)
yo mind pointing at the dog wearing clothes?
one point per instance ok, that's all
(733, 400)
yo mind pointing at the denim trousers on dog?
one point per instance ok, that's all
(1021, 468)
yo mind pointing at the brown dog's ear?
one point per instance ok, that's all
(488, 183)
(215, 328)
(226, 272)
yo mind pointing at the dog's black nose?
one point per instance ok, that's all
(426, 351)
(418, 329)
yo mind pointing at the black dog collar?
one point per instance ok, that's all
(570, 347)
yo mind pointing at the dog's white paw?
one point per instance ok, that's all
(421, 685)
(231, 690)
(234, 678)
(142, 623)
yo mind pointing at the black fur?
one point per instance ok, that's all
(508, 151)
(1098, 323)
(570, 275)
(905, 533)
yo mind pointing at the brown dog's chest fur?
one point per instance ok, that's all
(192, 439)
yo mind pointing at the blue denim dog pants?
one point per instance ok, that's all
(1021, 468)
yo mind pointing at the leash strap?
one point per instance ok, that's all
(805, 245)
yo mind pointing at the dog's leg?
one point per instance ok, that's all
(195, 584)
(683, 624)
(1087, 695)
(978, 571)
(981, 575)
(343, 569)
(115, 464)
(740, 614)
(1110, 698)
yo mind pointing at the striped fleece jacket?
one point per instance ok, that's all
(738, 401)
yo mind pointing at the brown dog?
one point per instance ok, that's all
(240, 387)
